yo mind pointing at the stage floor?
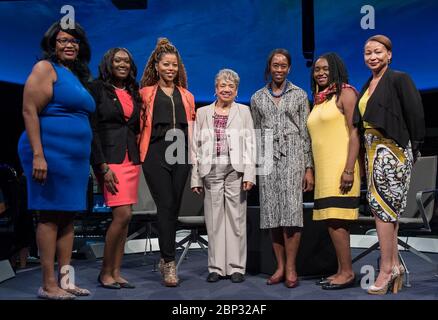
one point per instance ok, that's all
(193, 272)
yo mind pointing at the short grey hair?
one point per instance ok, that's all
(227, 74)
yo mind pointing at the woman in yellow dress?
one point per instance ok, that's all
(335, 147)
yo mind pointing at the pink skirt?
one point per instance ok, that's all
(128, 175)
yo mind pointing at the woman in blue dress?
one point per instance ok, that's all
(55, 151)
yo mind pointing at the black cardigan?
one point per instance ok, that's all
(112, 134)
(395, 108)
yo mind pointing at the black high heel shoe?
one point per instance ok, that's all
(338, 286)
(114, 285)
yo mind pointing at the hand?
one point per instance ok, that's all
(347, 181)
(110, 181)
(308, 180)
(247, 185)
(198, 190)
(39, 169)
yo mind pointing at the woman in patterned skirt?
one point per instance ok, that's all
(280, 111)
(390, 114)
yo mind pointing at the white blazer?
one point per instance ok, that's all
(241, 142)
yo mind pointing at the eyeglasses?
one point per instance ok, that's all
(63, 41)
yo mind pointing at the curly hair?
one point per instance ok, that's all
(80, 66)
(150, 76)
(106, 71)
(337, 74)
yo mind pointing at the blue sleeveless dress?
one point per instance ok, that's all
(66, 140)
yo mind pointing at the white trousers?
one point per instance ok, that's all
(225, 219)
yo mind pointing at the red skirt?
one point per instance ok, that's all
(128, 175)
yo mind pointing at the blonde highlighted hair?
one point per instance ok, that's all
(150, 76)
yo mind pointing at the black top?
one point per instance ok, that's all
(394, 108)
(112, 134)
(163, 117)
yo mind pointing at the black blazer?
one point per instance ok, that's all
(395, 108)
(112, 134)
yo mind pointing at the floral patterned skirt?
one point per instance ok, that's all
(389, 169)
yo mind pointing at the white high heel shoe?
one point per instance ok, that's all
(391, 284)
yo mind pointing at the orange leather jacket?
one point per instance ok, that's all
(148, 96)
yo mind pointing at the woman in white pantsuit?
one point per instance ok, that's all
(223, 155)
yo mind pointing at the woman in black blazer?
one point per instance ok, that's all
(115, 155)
(390, 115)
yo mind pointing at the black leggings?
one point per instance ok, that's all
(166, 183)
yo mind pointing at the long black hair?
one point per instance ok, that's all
(281, 51)
(337, 74)
(106, 72)
(80, 65)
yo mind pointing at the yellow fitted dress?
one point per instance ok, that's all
(330, 136)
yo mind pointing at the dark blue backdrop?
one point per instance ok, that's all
(237, 34)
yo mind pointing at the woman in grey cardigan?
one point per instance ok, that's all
(280, 111)
(223, 155)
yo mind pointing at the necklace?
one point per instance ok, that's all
(124, 88)
(168, 91)
(277, 95)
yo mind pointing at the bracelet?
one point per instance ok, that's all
(349, 173)
(105, 171)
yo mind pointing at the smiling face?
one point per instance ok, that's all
(66, 48)
(321, 73)
(376, 56)
(226, 91)
(279, 68)
(121, 65)
(167, 67)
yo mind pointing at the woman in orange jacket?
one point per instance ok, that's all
(167, 116)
